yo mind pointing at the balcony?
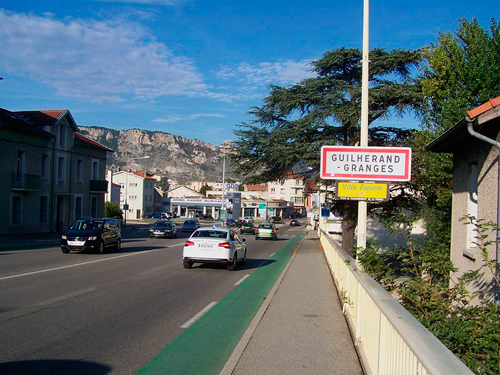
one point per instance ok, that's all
(26, 182)
(99, 186)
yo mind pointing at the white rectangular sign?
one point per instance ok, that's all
(366, 163)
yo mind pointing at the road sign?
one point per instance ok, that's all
(262, 206)
(366, 163)
(362, 191)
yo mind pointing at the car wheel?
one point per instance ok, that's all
(65, 250)
(233, 265)
(118, 246)
(150, 236)
(101, 247)
(243, 261)
(175, 235)
(187, 263)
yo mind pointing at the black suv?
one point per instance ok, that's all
(92, 234)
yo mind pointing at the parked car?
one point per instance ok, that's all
(163, 228)
(92, 234)
(231, 223)
(190, 225)
(275, 219)
(206, 217)
(215, 245)
(266, 230)
(247, 227)
(294, 223)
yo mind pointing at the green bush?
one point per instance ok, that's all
(112, 209)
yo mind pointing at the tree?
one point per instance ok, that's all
(462, 72)
(163, 184)
(294, 122)
(112, 209)
(205, 188)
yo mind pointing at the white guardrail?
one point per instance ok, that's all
(389, 340)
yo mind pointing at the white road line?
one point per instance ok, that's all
(191, 321)
(272, 255)
(77, 264)
(242, 279)
(261, 263)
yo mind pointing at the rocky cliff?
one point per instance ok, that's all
(171, 155)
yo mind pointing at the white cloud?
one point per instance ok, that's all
(264, 74)
(103, 61)
(195, 116)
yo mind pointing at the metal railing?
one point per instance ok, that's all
(26, 182)
(389, 340)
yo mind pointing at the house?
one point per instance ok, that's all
(136, 194)
(291, 189)
(54, 174)
(475, 143)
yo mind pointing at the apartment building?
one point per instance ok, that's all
(54, 175)
(291, 189)
(136, 194)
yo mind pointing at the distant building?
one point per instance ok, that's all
(136, 192)
(54, 174)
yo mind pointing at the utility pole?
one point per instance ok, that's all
(362, 205)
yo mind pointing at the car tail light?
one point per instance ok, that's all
(273, 231)
(226, 245)
(189, 243)
(256, 231)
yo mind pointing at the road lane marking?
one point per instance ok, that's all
(261, 264)
(195, 318)
(79, 264)
(272, 255)
(242, 279)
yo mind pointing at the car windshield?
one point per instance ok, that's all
(86, 225)
(190, 222)
(210, 234)
(163, 224)
(266, 226)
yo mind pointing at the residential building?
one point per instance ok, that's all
(136, 194)
(291, 189)
(55, 174)
(474, 142)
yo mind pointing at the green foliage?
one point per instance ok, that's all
(112, 209)
(163, 184)
(205, 188)
(418, 276)
(462, 72)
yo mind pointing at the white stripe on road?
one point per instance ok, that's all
(272, 255)
(191, 321)
(79, 264)
(242, 279)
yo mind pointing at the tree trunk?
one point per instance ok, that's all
(349, 222)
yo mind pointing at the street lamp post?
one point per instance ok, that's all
(223, 207)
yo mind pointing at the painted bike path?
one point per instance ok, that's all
(207, 345)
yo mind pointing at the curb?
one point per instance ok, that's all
(240, 348)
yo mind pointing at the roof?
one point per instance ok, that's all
(256, 187)
(457, 137)
(10, 120)
(46, 117)
(144, 176)
(91, 143)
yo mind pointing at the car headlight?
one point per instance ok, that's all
(93, 238)
(63, 237)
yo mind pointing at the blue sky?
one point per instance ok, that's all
(190, 67)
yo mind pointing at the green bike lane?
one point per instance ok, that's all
(205, 347)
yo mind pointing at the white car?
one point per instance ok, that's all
(215, 245)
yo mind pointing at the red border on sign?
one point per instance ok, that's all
(376, 177)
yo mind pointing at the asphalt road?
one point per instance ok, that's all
(82, 313)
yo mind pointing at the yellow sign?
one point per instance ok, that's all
(363, 191)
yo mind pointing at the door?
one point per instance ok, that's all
(60, 214)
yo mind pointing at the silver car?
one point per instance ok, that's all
(215, 245)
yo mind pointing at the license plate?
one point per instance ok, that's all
(76, 243)
(204, 245)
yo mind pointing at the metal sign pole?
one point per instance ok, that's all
(362, 205)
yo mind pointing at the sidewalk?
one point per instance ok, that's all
(303, 330)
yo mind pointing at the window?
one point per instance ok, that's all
(61, 166)
(16, 207)
(282, 191)
(472, 204)
(95, 170)
(93, 207)
(44, 168)
(79, 171)
(62, 135)
(44, 204)
(78, 207)
(273, 190)
(21, 163)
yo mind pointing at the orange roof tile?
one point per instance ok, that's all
(256, 187)
(144, 175)
(91, 142)
(492, 103)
